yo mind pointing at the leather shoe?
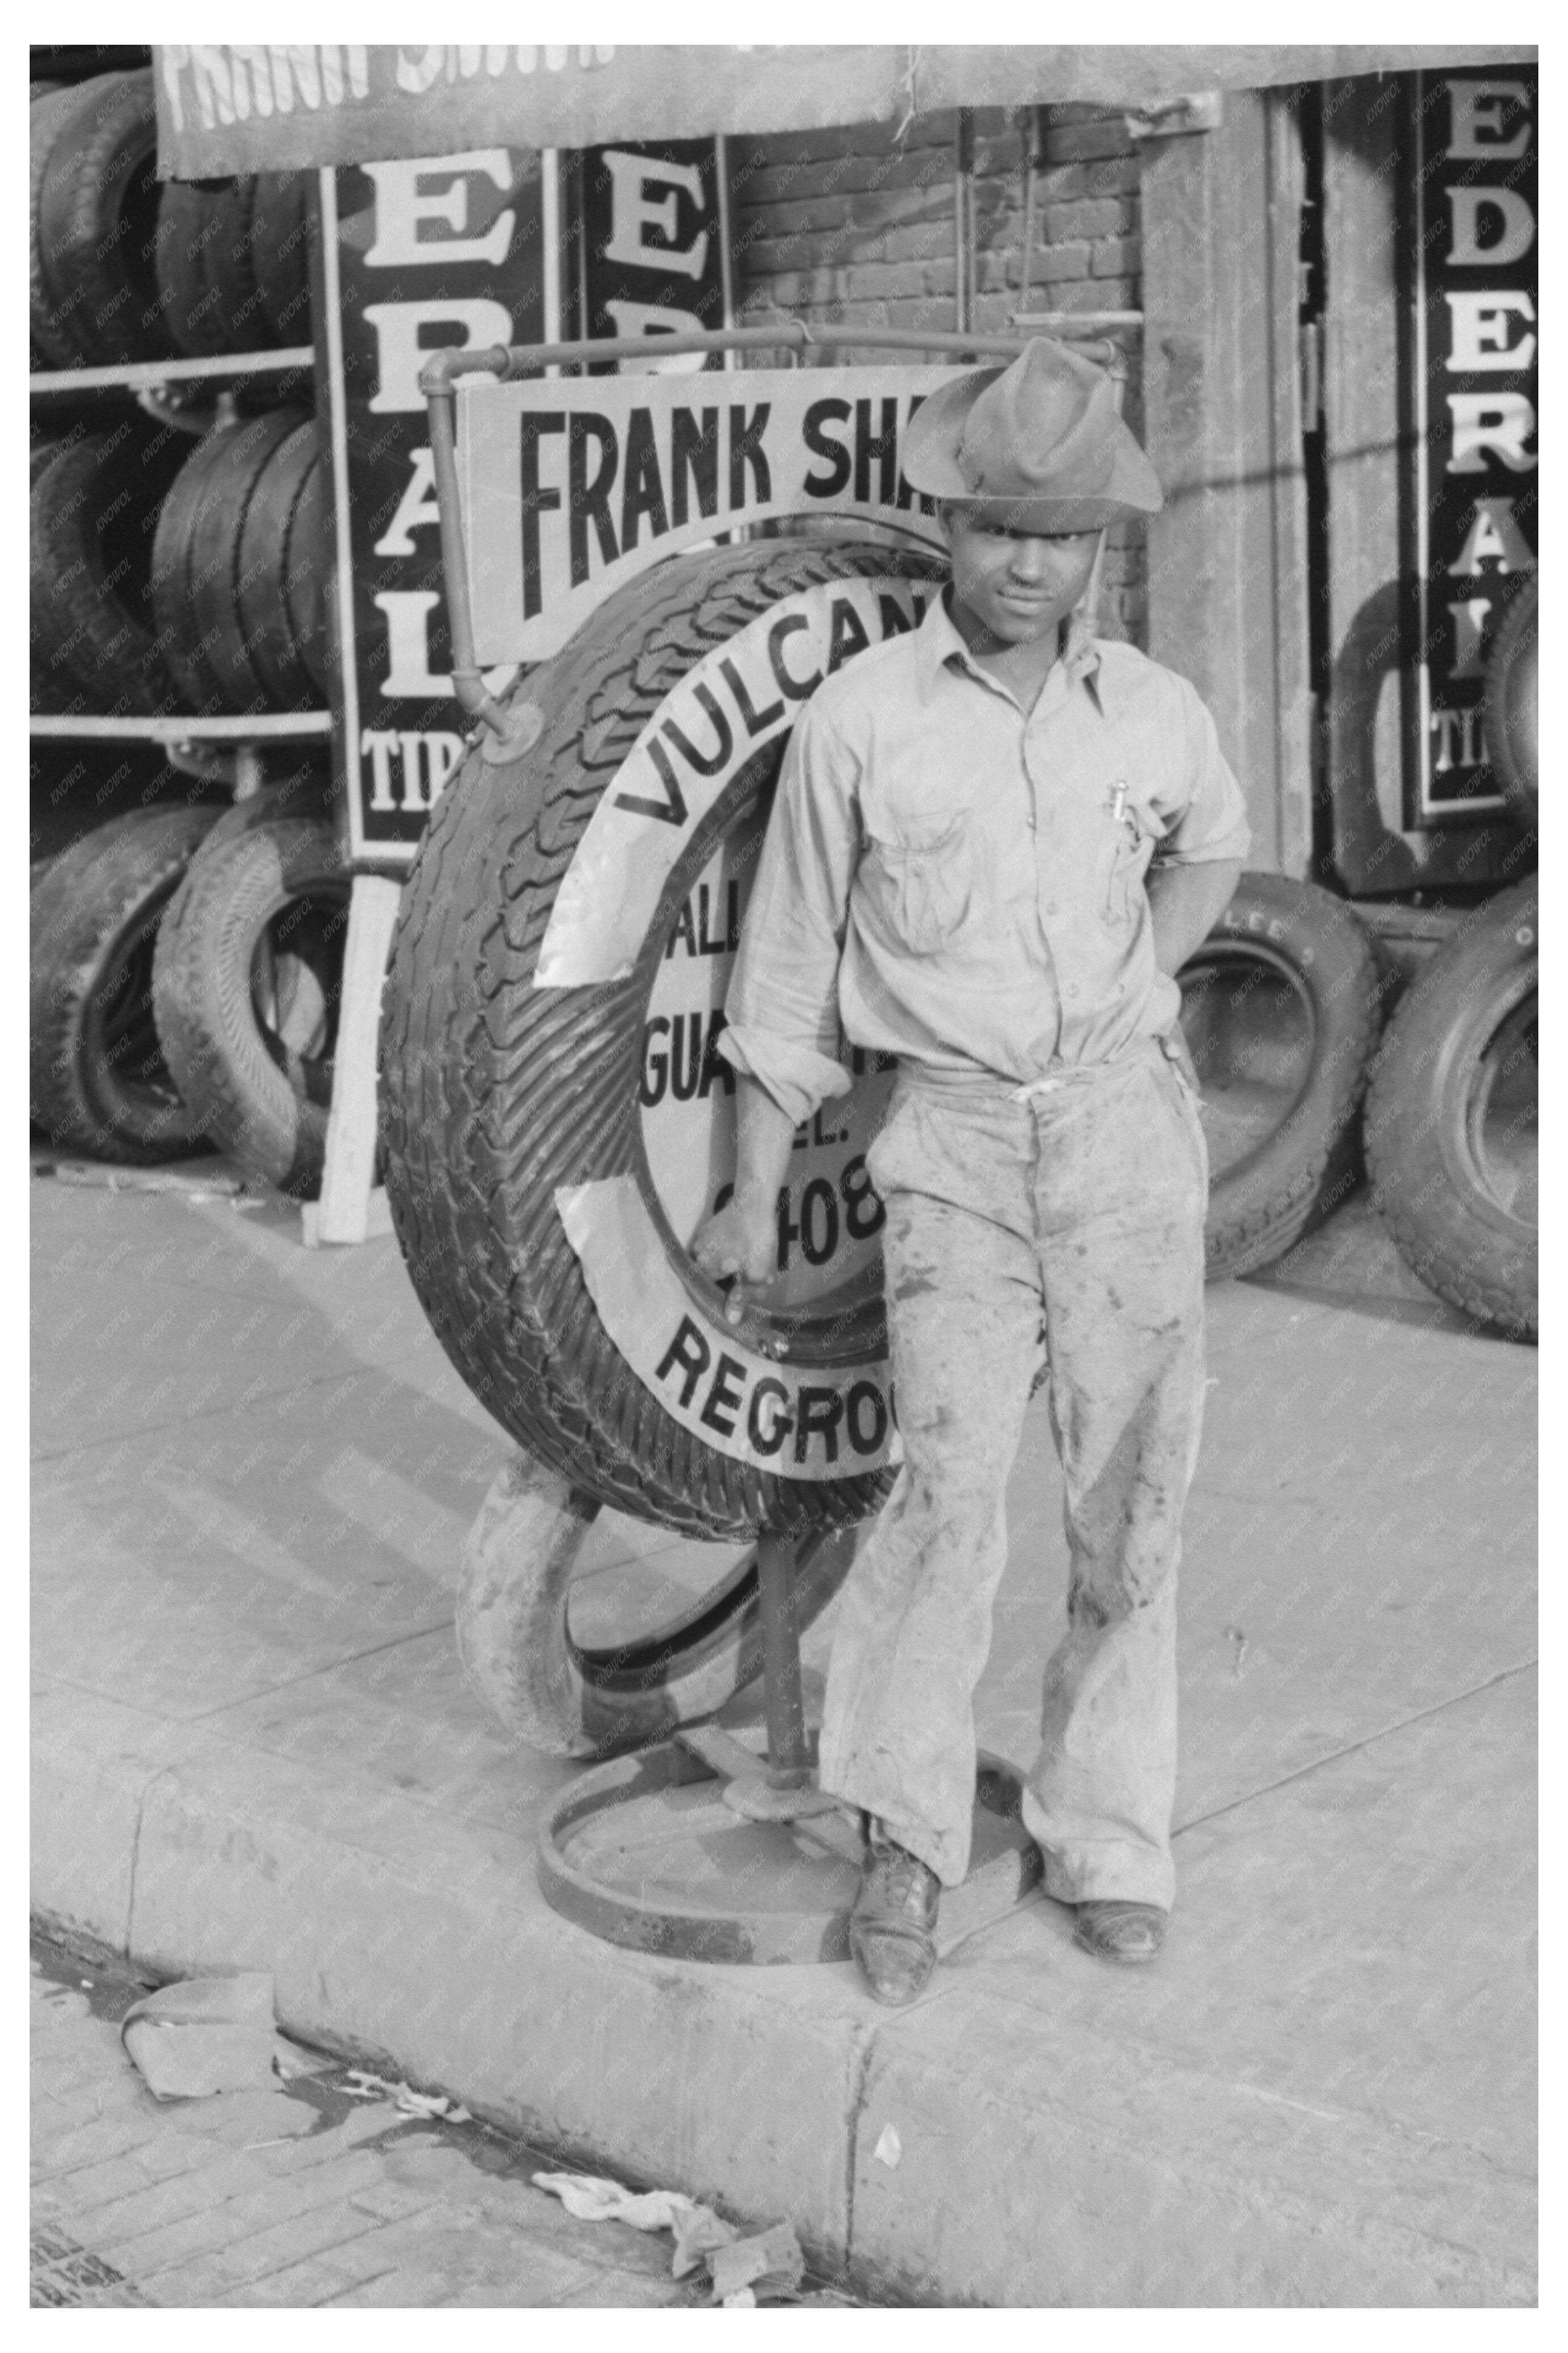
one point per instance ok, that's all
(1117, 1931)
(892, 1927)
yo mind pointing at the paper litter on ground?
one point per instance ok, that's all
(770, 2263)
(696, 2238)
(592, 2199)
(361, 2084)
(203, 2035)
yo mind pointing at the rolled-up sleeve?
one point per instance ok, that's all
(782, 1011)
(1209, 820)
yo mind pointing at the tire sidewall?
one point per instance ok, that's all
(1418, 1105)
(1259, 1204)
(202, 998)
(92, 908)
(1514, 765)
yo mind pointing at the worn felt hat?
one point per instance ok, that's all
(1039, 440)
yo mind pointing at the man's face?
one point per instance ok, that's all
(1017, 583)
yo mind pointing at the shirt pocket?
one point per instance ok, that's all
(919, 875)
(1135, 833)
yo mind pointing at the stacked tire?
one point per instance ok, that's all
(166, 579)
(247, 978)
(1453, 1110)
(123, 267)
(233, 268)
(99, 1083)
(1452, 1118)
(94, 296)
(186, 963)
(1282, 1007)
(238, 569)
(93, 507)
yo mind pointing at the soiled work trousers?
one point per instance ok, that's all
(1071, 1221)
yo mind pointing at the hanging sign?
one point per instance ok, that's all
(571, 486)
(1471, 408)
(426, 251)
(254, 107)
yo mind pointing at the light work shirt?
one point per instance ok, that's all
(952, 882)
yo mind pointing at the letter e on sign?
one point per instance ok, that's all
(405, 200)
(1477, 115)
(632, 215)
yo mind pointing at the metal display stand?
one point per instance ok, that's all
(703, 1849)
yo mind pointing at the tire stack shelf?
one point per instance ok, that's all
(160, 321)
(217, 748)
(243, 733)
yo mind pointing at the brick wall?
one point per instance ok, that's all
(854, 226)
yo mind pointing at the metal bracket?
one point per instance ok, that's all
(242, 767)
(1173, 118)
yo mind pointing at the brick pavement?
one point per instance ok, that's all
(298, 2196)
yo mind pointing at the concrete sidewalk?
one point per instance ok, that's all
(253, 1744)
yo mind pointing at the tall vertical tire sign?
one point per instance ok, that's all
(416, 253)
(1470, 381)
(652, 246)
(559, 1116)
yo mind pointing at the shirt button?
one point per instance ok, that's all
(1073, 989)
(1050, 906)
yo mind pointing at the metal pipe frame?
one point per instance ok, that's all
(270, 726)
(138, 373)
(509, 361)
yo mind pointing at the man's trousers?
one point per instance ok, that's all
(1069, 1220)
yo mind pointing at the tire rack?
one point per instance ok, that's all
(195, 746)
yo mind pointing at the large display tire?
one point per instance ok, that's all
(245, 986)
(1512, 716)
(1450, 1117)
(100, 1083)
(496, 1094)
(1281, 1010)
(97, 210)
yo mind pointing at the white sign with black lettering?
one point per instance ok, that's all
(829, 1218)
(802, 1421)
(743, 694)
(572, 486)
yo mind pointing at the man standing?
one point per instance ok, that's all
(995, 842)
